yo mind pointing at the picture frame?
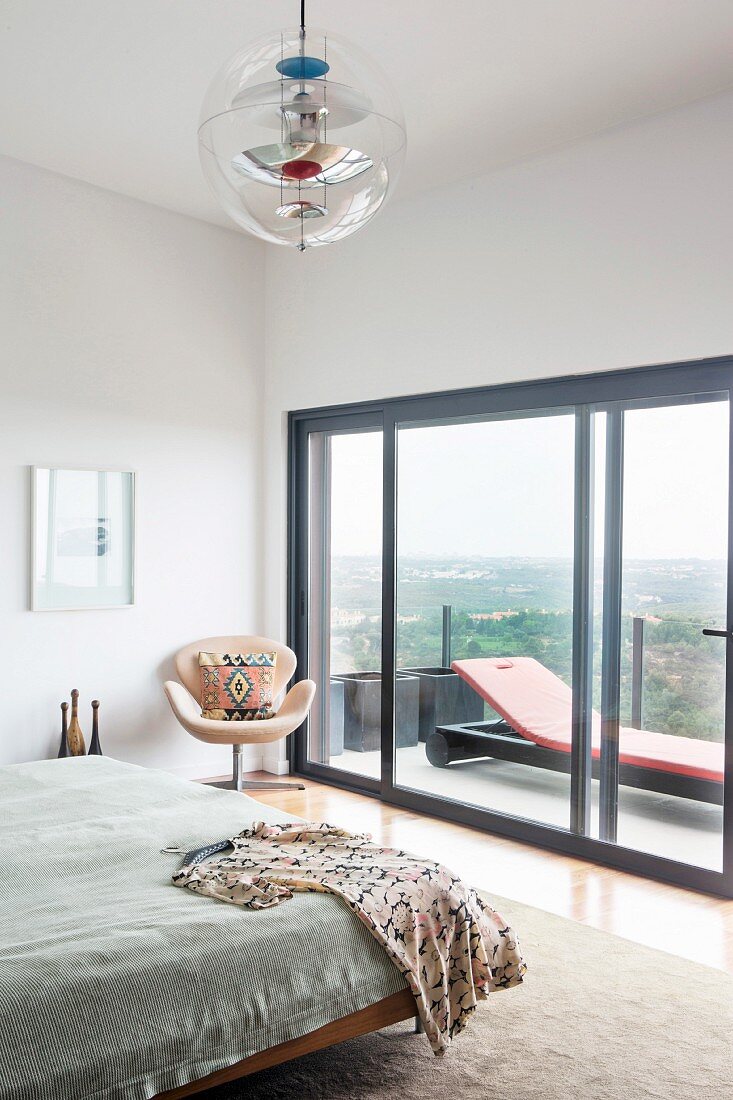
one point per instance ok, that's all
(82, 538)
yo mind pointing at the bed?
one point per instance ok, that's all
(115, 984)
(534, 728)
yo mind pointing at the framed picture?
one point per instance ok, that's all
(82, 538)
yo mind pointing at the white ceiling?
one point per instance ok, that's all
(109, 92)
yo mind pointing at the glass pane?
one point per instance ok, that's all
(485, 612)
(345, 599)
(672, 712)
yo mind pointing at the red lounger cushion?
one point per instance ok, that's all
(536, 703)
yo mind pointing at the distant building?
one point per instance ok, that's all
(341, 617)
(492, 616)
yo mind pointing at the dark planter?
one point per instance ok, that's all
(363, 710)
(336, 717)
(445, 699)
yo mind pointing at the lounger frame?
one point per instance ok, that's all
(499, 741)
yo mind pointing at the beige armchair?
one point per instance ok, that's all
(293, 712)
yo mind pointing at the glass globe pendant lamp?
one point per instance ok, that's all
(301, 138)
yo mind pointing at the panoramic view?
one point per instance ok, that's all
(511, 607)
(485, 528)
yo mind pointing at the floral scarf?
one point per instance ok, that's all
(452, 948)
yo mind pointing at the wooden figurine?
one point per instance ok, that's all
(95, 749)
(64, 746)
(75, 736)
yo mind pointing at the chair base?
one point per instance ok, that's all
(254, 785)
(238, 783)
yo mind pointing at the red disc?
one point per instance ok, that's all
(301, 169)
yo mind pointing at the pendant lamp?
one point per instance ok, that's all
(301, 137)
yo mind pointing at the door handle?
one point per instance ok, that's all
(718, 633)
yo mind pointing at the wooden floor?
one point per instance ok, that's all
(669, 918)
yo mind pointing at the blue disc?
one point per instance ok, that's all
(302, 68)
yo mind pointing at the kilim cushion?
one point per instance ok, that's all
(237, 687)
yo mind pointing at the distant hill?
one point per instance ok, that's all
(684, 672)
(684, 588)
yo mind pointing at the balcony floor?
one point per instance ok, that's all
(677, 828)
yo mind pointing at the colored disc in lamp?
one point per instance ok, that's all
(301, 169)
(302, 68)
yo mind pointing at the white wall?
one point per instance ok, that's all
(611, 253)
(131, 337)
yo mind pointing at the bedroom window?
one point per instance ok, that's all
(344, 595)
(515, 602)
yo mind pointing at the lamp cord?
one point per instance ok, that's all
(302, 16)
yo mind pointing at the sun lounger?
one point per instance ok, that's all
(534, 728)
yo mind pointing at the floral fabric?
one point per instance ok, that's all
(452, 948)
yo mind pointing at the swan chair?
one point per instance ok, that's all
(293, 712)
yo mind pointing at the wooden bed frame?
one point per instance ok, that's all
(390, 1010)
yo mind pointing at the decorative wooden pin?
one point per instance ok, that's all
(75, 736)
(64, 746)
(95, 749)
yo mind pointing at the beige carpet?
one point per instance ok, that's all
(598, 1018)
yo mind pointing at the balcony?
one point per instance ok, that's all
(657, 656)
(676, 828)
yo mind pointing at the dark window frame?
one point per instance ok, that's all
(634, 385)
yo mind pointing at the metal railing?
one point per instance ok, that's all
(637, 671)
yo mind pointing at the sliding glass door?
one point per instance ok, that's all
(516, 605)
(484, 550)
(663, 683)
(341, 595)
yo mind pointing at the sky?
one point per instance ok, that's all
(505, 488)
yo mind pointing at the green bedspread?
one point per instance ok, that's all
(113, 983)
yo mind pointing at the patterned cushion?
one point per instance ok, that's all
(237, 687)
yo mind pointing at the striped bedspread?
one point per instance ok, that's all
(114, 983)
